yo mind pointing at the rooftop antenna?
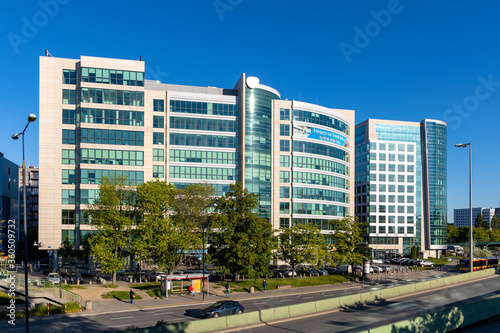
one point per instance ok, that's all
(47, 53)
(140, 57)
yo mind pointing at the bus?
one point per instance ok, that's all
(492, 262)
(477, 264)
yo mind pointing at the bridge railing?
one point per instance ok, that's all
(40, 285)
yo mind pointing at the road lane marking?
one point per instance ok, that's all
(161, 314)
(118, 318)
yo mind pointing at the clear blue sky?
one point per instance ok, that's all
(417, 61)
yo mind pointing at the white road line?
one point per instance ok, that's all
(308, 297)
(118, 318)
(120, 325)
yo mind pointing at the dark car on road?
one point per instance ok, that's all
(222, 308)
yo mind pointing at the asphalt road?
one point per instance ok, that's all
(149, 316)
(361, 318)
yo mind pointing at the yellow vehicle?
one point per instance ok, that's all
(477, 264)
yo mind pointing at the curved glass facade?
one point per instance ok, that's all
(436, 164)
(258, 124)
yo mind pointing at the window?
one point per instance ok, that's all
(68, 137)
(373, 209)
(392, 147)
(401, 157)
(410, 189)
(69, 117)
(392, 188)
(401, 219)
(401, 178)
(409, 219)
(401, 168)
(158, 154)
(392, 198)
(158, 171)
(382, 209)
(284, 176)
(111, 96)
(409, 199)
(382, 188)
(410, 179)
(401, 199)
(69, 76)
(111, 76)
(284, 192)
(113, 117)
(392, 230)
(284, 130)
(68, 156)
(284, 222)
(382, 177)
(392, 167)
(411, 168)
(158, 105)
(381, 229)
(410, 148)
(392, 209)
(392, 178)
(392, 157)
(373, 177)
(158, 138)
(284, 114)
(284, 161)
(111, 157)
(410, 158)
(284, 145)
(381, 198)
(382, 146)
(401, 189)
(401, 147)
(381, 167)
(373, 198)
(401, 209)
(158, 122)
(381, 157)
(373, 156)
(69, 96)
(204, 108)
(409, 209)
(284, 208)
(373, 166)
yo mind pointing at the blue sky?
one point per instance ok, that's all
(403, 60)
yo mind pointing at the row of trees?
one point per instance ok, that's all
(481, 223)
(461, 234)
(159, 223)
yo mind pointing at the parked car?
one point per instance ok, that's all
(385, 268)
(76, 278)
(312, 272)
(54, 278)
(288, 273)
(323, 272)
(153, 275)
(424, 263)
(377, 261)
(222, 308)
(377, 269)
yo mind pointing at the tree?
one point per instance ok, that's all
(452, 233)
(480, 223)
(494, 222)
(113, 217)
(301, 244)
(171, 221)
(347, 241)
(242, 241)
(478, 252)
(66, 248)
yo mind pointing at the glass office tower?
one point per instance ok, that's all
(401, 185)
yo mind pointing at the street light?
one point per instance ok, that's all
(471, 241)
(31, 118)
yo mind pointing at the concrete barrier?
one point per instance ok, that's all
(407, 289)
(422, 285)
(327, 304)
(211, 324)
(302, 309)
(437, 283)
(273, 314)
(389, 292)
(247, 318)
(370, 296)
(349, 300)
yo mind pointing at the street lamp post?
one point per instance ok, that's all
(31, 118)
(471, 240)
(203, 257)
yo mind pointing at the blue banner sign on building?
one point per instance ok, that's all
(319, 134)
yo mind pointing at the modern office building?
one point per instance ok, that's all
(401, 185)
(9, 206)
(461, 216)
(100, 116)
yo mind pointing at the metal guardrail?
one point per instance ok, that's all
(44, 286)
